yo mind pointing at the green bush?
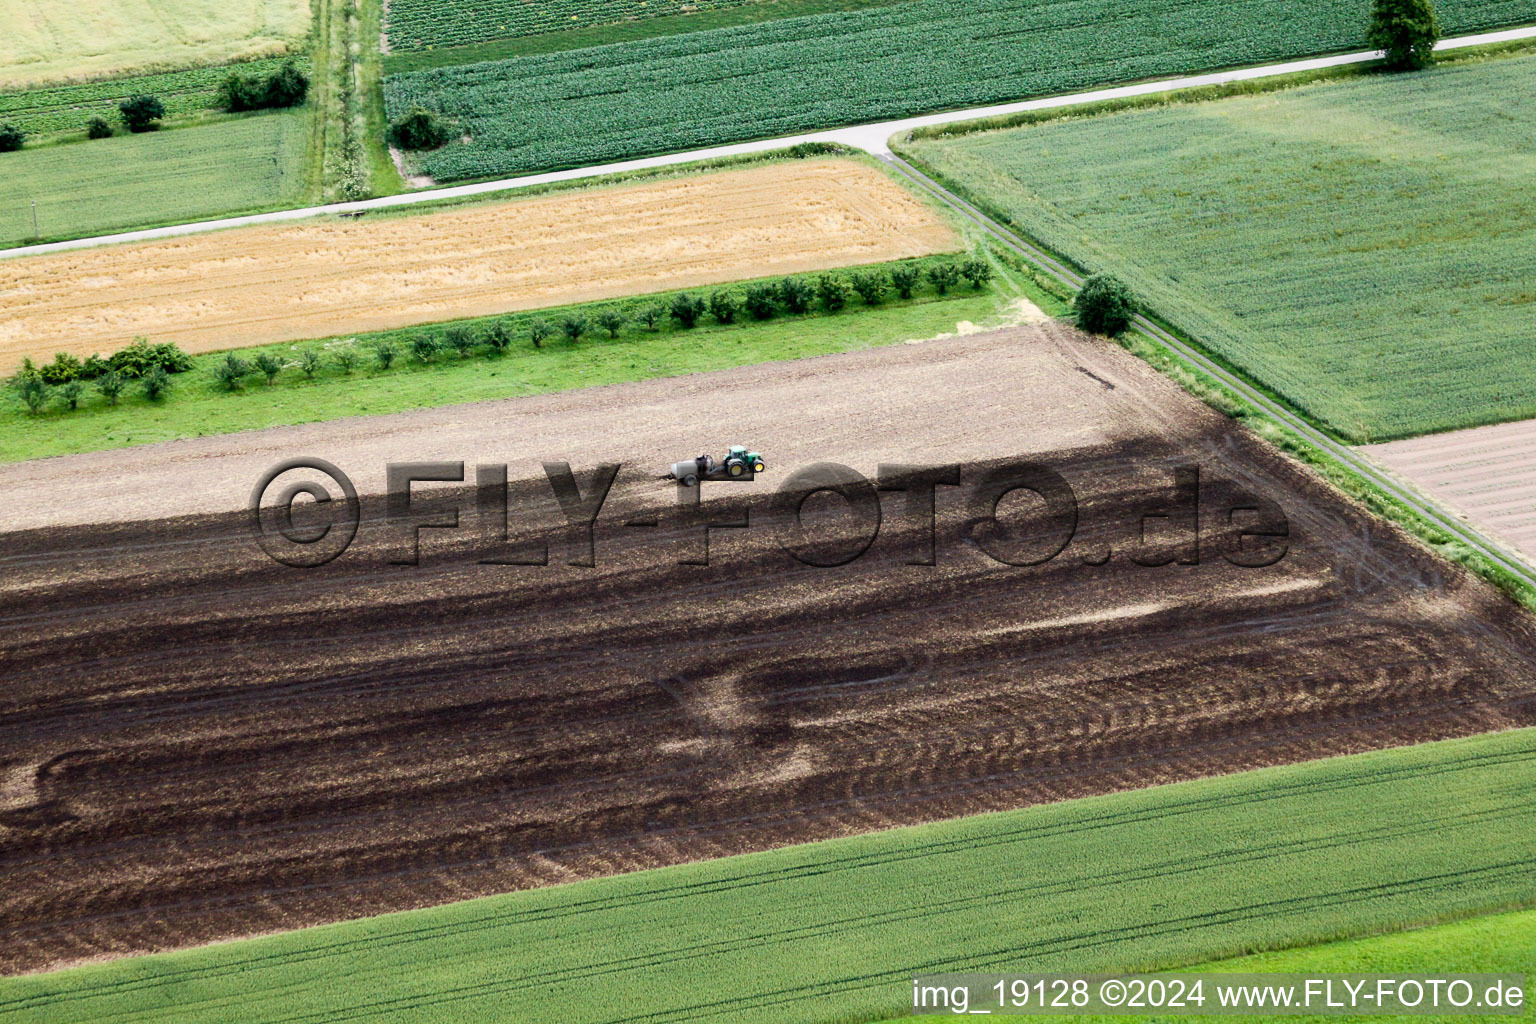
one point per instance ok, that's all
(231, 372)
(155, 383)
(62, 370)
(287, 86)
(724, 307)
(94, 366)
(32, 390)
(538, 331)
(11, 138)
(978, 272)
(573, 327)
(871, 286)
(1407, 30)
(905, 279)
(345, 357)
(686, 309)
(309, 362)
(111, 385)
(611, 320)
(1105, 305)
(833, 292)
(759, 302)
(423, 347)
(944, 276)
(651, 315)
(418, 130)
(384, 354)
(462, 340)
(268, 365)
(135, 359)
(498, 336)
(98, 128)
(141, 113)
(242, 91)
(796, 295)
(69, 394)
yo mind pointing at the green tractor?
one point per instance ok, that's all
(738, 464)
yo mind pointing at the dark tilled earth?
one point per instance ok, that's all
(201, 744)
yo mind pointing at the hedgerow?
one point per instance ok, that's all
(679, 92)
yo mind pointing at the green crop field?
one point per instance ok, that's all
(1364, 248)
(66, 108)
(679, 92)
(1494, 944)
(419, 24)
(132, 180)
(62, 40)
(835, 930)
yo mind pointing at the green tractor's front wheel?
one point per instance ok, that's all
(759, 466)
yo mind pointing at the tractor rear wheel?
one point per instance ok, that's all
(736, 468)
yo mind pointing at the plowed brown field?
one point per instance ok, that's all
(254, 286)
(198, 743)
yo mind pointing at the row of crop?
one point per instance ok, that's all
(67, 108)
(665, 94)
(147, 368)
(425, 24)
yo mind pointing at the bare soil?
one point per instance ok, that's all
(200, 744)
(254, 286)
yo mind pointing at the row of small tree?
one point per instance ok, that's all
(65, 379)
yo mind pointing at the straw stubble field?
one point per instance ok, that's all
(255, 286)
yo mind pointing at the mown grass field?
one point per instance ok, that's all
(1363, 248)
(58, 40)
(231, 166)
(65, 108)
(686, 91)
(1493, 944)
(497, 48)
(198, 406)
(834, 930)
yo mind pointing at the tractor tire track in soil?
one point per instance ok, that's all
(200, 744)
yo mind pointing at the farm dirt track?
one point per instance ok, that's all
(254, 286)
(200, 744)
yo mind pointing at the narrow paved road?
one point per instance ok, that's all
(872, 138)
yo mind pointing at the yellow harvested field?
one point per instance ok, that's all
(252, 286)
(59, 40)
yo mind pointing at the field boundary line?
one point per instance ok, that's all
(872, 138)
(1360, 465)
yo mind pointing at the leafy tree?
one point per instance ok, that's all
(135, 359)
(944, 276)
(611, 320)
(155, 383)
(871, 286)
(759, 302)
(498, 336)
(573, 327)
(419, 129)
(142, 113)
(32, 390)
(268, 365)
(111, 384)
(538, 331)
(723, 306)
(70, 393)
(905, 279)
(11, 138)
(686, 309)
(651, 315)
(795, 294)
(833, 292)
(423, 348)
(978, 272)
(98, 127)
(384, 354)
(232, 371)
(241, 91)
(1105, 305)
(346, 358)
(1407, 30)
(286, 87)
(462, 340)
(94, 366)
(309, 362)
(62, 370)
